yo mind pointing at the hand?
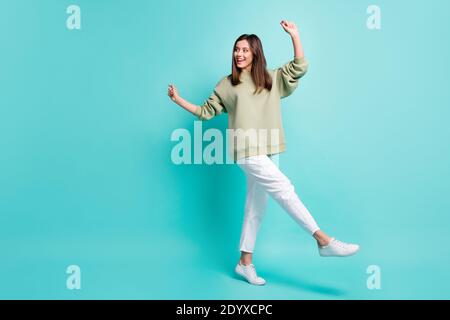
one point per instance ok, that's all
(172, 92)
(289, 27)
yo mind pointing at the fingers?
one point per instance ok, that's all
(287, 24)
(171, 91)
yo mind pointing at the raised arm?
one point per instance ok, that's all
(291, 28)
(288, 75)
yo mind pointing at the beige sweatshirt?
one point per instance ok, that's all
(254, 120)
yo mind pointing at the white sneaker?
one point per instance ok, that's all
(338, 248)
(249, 273)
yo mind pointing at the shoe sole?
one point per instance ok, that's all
(253, 283)
(332, 255)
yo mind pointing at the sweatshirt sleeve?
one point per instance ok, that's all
(212, 107)
(289, 74)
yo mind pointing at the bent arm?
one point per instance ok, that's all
(212, 107)
(288, 75)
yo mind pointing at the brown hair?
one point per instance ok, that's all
(261, 77)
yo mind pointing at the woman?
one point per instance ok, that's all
(250, 96)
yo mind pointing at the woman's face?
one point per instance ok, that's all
(243, 56)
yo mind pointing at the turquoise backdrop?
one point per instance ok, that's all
(86, 176)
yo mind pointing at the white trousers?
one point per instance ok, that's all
(264, 178)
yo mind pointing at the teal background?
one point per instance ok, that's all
(86, 176)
